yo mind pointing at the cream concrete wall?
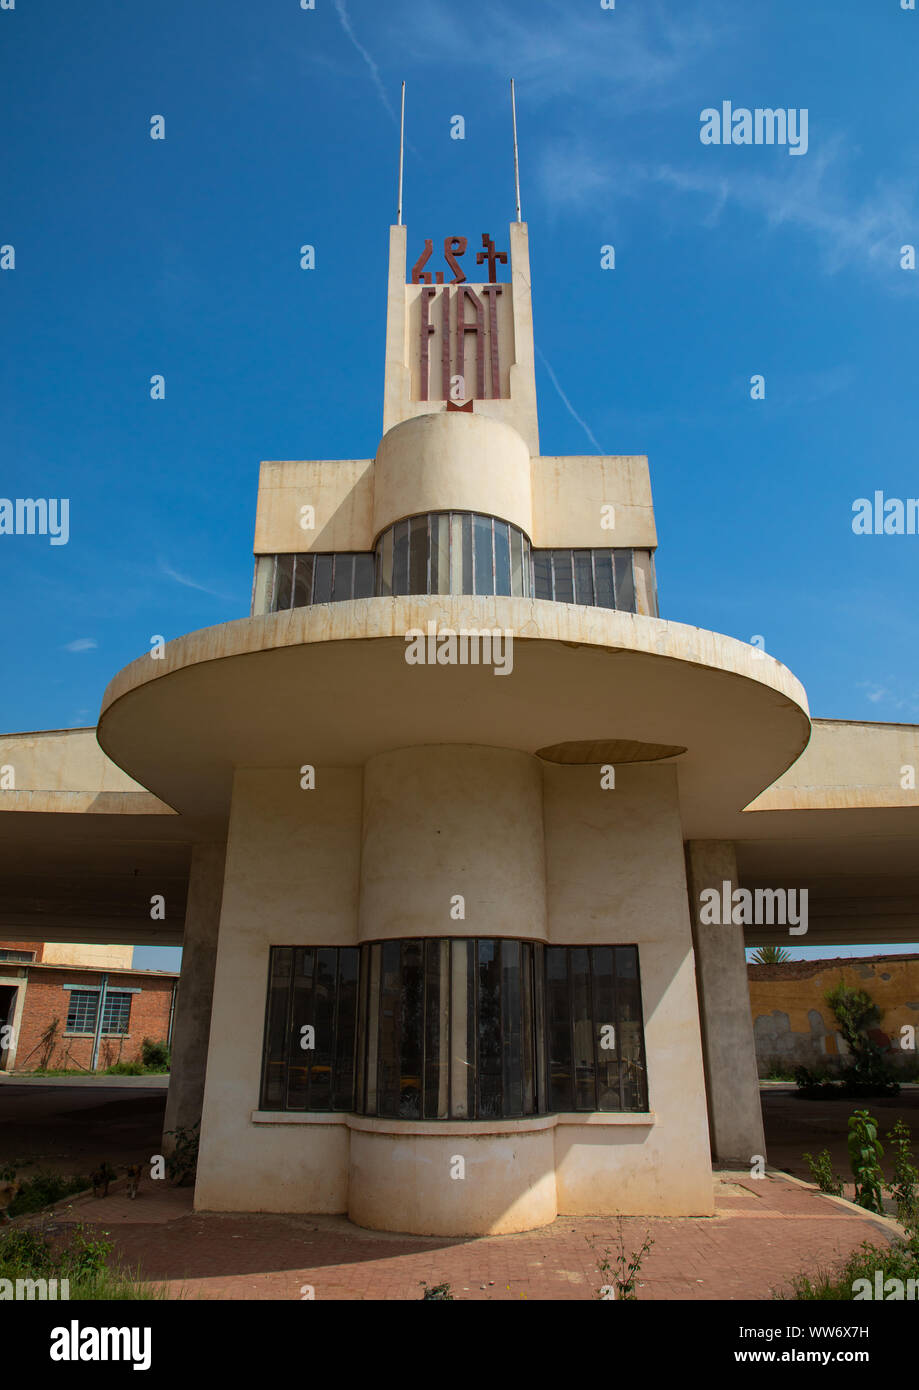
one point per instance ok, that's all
(436, 461)
(401, 1181)
(849, 764)
(100, 957)
(440, 822)
(397, 384)
(569, 495)
(62, 760)
(340, 491)
(66, 772)
(615, 873)
(291, 878)
(464, 462)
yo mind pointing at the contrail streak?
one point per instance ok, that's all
(374, 70)
(568, 406)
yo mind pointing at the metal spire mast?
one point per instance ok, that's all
(401, 157)
(516, 159)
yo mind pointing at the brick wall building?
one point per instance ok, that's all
(64, 1013)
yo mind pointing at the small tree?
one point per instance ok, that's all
(620, 1271)
(855, 1012)
(48, 1042)
(821, 1169)
(771, 955)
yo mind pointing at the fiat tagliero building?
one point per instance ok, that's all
(441, 823)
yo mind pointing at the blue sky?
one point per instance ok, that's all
(181, 257)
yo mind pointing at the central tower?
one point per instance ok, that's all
(461, 340)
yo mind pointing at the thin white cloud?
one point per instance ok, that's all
(611, 60)
(567, 404)
(896, 701)
(183, 579)
(808, 195)
(81, 644)
(867, 230)
(344, 17)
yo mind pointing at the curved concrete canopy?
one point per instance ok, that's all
(330, 686)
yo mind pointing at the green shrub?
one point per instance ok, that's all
(905, 1175)
(125, 1069)
(24, 1248)
(899, 1260)
(849, 1085)
(43, 1190)
(155, 1054)
(74, 1254)
(85, 1256)
(182, 1163)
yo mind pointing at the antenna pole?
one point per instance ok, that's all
(401, 157)
(516, 160)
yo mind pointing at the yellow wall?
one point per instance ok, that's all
(794, 1025)
(101, 957)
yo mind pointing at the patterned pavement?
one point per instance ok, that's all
(764, 1231)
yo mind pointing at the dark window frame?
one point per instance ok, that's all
(639, 1082)
(77, 1006)
(620, 575)
(112, 997)
(456, 963)
(342, 1059)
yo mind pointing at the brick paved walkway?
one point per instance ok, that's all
(764, 1232)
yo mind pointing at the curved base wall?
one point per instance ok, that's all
(452, 1184)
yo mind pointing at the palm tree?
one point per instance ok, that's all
(771, 955)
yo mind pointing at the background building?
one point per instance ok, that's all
(76, 1007)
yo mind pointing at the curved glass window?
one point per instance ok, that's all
(458, 553)
(454, 1028)
(622, 579)
(453, 553)
(451, 1029)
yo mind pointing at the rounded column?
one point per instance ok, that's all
(452, 823)
(453, 846)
